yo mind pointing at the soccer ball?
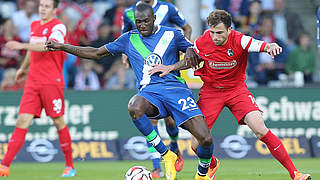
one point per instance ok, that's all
(138, 173)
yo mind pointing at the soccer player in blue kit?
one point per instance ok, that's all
(157, 97)
(167, 15)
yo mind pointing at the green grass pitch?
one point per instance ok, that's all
(243, 169)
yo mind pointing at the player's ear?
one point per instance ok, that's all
(154, 17)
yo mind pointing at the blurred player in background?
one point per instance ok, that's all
(166, 15)
(44, 87)
(225, 55)
(157, 97)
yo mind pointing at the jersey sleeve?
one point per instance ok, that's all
(128, 18)
(176, 16)
(58, 33)
(250, 44)
(119, 45)
(182, 42)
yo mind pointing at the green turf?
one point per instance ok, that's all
(249, 169)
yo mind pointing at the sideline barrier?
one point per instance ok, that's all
(135, 148)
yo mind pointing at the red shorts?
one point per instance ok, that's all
(239, 100)
(49, 97)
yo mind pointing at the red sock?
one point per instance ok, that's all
(65, 144)
(15, 144)
(213, 162)
(278, 151)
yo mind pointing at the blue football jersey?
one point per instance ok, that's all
(162, 47)
(166, 15)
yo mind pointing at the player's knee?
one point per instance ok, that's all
(206, 140)
(135, 111)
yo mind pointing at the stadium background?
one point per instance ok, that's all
(102, 130)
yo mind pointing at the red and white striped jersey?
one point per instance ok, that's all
(46, 67)
(225, 66)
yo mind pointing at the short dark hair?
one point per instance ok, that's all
(55, 3)
(143, 7)
(219, 16)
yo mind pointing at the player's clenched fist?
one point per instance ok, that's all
(273, 49)
(53, 45)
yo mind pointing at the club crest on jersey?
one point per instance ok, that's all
(222, 65)
(230, 52)
(153, 59)
(44, 32)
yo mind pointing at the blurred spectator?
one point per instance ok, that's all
(261, 65)
(83, 17)
(267, 5)
(9, 83)
(104, 36)
(302, 58)
(86, 78)
(119, 77)
(207, 6)
(92, 20)
(287, 25)
(237, 8)
(7, 8)
(23, 18)
(250, 24)
(9, 58)
(114, 15)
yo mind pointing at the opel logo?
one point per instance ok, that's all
(153, 59)
(137, 147)
(235, 146)
(42, 150)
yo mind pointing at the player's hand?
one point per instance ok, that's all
(125, 61)
(163, 69)
(14, 45)
(191, 58)
(273, 49)
(53, 45)
(20, 74)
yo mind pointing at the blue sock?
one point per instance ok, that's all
(173, 134)
(144, 125)
(204, 154)
(154, 156)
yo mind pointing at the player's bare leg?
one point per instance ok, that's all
(199, 129)
(65, 144)
(256, 123)
(16, 142)
(139, 108)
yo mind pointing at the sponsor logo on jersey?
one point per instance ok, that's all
(153, 59)
(222, 65)
(230, 52)
(44, 32)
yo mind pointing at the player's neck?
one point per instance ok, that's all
(44, 21)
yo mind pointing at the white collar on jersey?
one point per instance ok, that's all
(155, 2)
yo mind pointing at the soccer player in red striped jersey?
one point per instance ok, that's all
(225, 56)
(44, 87)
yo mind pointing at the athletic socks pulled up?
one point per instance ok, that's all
(14, 145)
(65, 144)
(278, 151)
(144, 125)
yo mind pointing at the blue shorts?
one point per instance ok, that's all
(172, 100)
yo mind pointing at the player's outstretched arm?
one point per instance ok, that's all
(190, 60)
(83, 52)
(273, 49)
(15, 45)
